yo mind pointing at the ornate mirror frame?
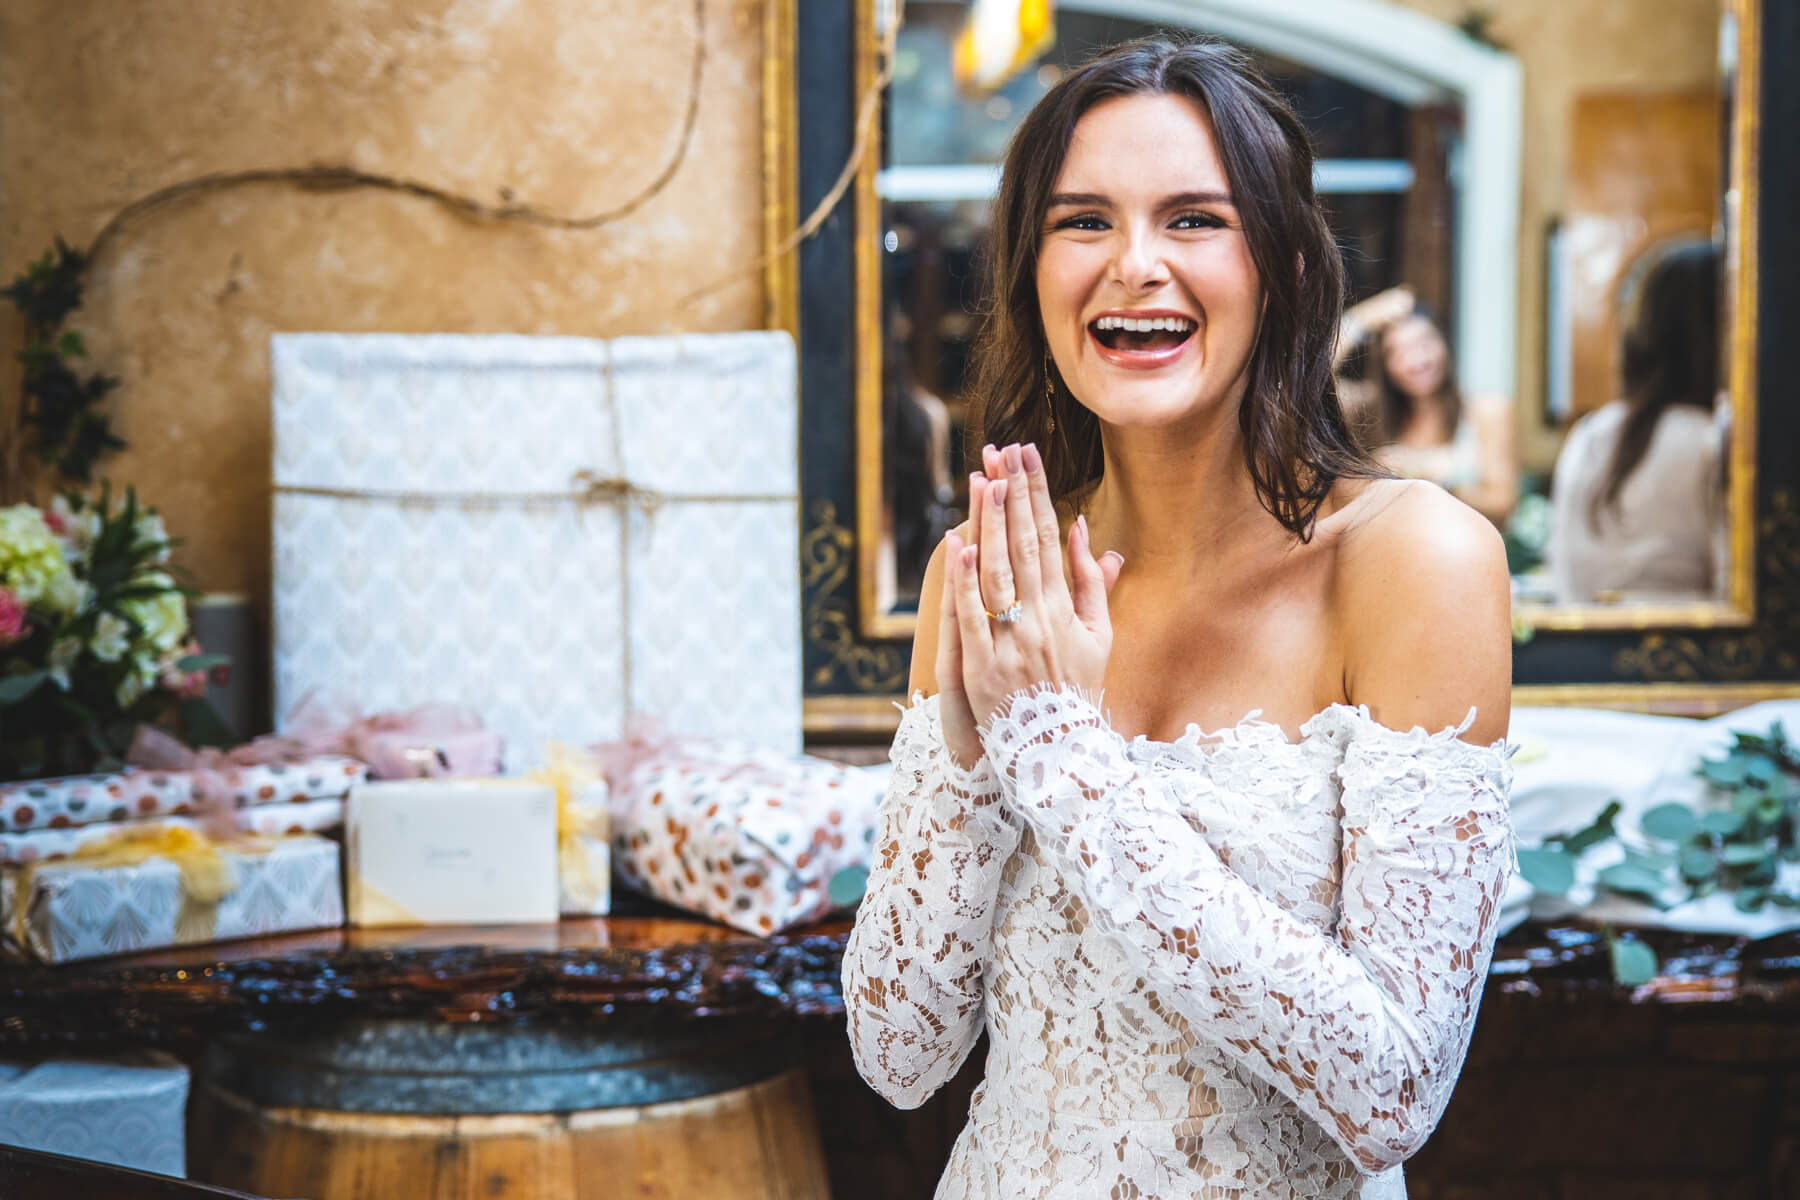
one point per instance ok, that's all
(1699, 658)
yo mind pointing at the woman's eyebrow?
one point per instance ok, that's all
(1099, 200)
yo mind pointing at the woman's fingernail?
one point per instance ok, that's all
(1081, 524)
(1115, 554)
(1033, 460)
(997, 493)
(969, 556)
(1013, 460)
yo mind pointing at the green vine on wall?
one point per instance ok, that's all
(60, 415)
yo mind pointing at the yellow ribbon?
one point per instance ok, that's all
(570, 772)
(207, 876)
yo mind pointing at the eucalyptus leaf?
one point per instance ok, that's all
(847, 886)
(1784, 899)
(1602, 829)
(1762, 770)
(1657, 864)
(1548, 869)
(1738, 855)
(1633, 963)
(1770, 809)
(1697, 864)
(1670, 822)
(201, 662)
(14, 688)
(1633, 880)
(1725, 772)
(1750, 900)
(1722, 824)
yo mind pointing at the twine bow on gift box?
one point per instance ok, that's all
(570, 772)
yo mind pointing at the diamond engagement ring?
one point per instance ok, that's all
(1008, 615)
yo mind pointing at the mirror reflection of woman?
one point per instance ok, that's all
(1413, 415)
(1243, 963)
(1638, 501)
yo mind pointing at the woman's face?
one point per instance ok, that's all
(1415, 356)
(1148, 294)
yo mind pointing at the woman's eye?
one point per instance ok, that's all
(1199, 220)
(1085, 221)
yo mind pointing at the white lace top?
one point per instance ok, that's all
(1227, 966)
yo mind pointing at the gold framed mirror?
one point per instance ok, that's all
(1626, 151)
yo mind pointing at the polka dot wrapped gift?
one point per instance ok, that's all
(746, 836)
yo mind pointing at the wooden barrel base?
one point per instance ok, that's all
(759, 1142)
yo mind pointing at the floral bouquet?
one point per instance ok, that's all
(93, 636)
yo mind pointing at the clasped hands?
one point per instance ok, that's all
(1062, 633)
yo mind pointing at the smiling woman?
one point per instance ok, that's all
(1121, 188)
(1243, 963)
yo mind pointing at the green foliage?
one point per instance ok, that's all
(61, 413)
(1633, 963)
(1734, 845)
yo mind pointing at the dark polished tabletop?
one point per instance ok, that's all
(659, 965)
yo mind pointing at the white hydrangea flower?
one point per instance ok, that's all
(162, 618)
(112, 637)
(32, 561)
(80, 527)
(134, 685)
(63, 653)
(149, 531)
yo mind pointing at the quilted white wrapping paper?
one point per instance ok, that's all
(76, 910)
(129, 1113)
(428, 546)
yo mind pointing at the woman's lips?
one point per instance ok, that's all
(1140, 360)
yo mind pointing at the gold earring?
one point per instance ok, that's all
(1049, 392)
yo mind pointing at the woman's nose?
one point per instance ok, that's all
(1138, 265)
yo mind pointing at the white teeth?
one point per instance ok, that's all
(1145, 324)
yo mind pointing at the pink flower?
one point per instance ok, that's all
(189, 685)
(13, 626)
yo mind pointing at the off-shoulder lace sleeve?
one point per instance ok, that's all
(914, 965)
(1365, 1027)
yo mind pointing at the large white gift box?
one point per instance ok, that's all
(451, 852)
(559, 533)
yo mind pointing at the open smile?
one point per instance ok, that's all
(1141, 341)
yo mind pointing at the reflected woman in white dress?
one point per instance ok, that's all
(1241, 963)
(1637, 502)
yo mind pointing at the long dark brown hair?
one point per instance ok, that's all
(1296, 441)
(1668, 355)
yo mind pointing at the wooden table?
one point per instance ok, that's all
(1572, 1081)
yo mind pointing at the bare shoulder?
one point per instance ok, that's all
(1425, 609)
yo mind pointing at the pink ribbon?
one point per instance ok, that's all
(155, 750)
(430, 740)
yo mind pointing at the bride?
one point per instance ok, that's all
(1233, 964)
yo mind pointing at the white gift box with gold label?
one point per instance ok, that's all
(451, 852)
(559, 533)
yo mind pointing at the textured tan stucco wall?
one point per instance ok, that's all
(571, 106)
(1566, 48)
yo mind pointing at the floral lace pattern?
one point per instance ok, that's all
(1233, 965)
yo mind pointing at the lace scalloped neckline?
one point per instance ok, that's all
(1252, 728)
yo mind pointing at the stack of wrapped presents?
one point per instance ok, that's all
(561, 538)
